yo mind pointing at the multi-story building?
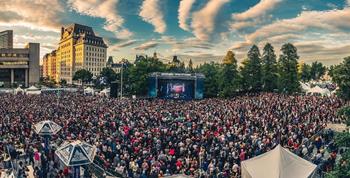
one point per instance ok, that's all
(45, 66)
(49, 65)
(79, 48)
(20, 65)
(6, 39)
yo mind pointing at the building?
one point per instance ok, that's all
(45, 67)
(79, 48)
(20, 65)
(117, 67)
(49, 65)
(6, 39)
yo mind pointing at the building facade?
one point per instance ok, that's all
(6, 39)
(20, 65)
(49, 65)
(79, 48)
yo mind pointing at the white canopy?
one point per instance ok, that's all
(88, 90)
(105, 92)
(277, 163)
(33, 91)
(305, 87)
(76, 153)
(18, 90)
(46, 128)
(322, 91)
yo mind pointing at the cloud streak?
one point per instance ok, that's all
(106, 9)
(332, 20)
(33, 14)
(184, 13)
(146, 46)
(203, 21)
(151, 13)
(258, 10)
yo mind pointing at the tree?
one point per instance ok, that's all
(317, 70)
(269, 69)
(211, 81)
(305, 72)
(83, 75)
(63, 82)
(190, 66)
(342, 168)
(251, 70)
(341, 76)
(136, 76)
(108, 75)
(288, 69)
(228, 76)
(176, 66)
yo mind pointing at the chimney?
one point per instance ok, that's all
(62, 30)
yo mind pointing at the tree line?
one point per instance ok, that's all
(258, 72)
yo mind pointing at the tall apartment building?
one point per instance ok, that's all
(79, 48)
(49, 65)
(6, 39)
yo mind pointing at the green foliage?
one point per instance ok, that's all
(228, 76)
(211, 81)
(176, 66)
(342, 168)
(317, 70)
(288, 69)
(341, 76)
(190, 66)
(251, 71)
(83, 75)
(269, 69)
(136, 77)
(344, 112)
(108, 74)
(63, 82)
(229, 58)
(305, 73)
(47, 81)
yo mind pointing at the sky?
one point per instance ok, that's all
(201, 30)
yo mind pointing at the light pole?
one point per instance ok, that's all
(121, 80)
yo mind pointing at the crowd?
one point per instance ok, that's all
(155, 138)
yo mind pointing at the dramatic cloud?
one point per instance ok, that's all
(127, 43)
(203, 22)
(152, 13)
(333, 20)
(184, 13)
(106, 9)
(146, 46)
(33, 14)
(258, 10)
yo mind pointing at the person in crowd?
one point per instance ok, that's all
(156, 138)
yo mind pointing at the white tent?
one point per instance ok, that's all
(319, 90)
(89, 90)
(76, 153)
(105, 92)
(305, 87)
(277, 163)
(33, 90)
(46, 128)
(18, 90)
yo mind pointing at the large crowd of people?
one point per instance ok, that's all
(155, 138)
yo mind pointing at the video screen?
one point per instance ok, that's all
(176, 89)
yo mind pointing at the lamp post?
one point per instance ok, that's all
(46, 129)
(121, 80)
